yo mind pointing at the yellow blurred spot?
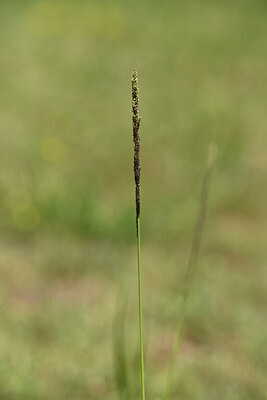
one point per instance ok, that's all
(53, 18)
(54, 150)
(26, 217)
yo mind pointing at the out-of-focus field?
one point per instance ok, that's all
(67, 219)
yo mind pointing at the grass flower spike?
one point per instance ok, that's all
(136, 140)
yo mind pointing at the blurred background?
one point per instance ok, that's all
(67, 230)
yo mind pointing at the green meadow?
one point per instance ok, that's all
(67, 213)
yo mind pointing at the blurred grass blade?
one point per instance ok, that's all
(192, 265)
(119, 352)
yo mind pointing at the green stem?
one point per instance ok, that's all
(140, 313)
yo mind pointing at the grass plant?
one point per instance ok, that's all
(137, 172)
(194, 251)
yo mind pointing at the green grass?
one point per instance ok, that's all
(66, 195)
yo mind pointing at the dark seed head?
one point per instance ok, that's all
(136, 140)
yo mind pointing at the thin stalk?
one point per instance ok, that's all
(140, 313)
(191, 266)
(137, 173)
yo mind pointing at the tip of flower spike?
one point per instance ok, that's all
(134, 74)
